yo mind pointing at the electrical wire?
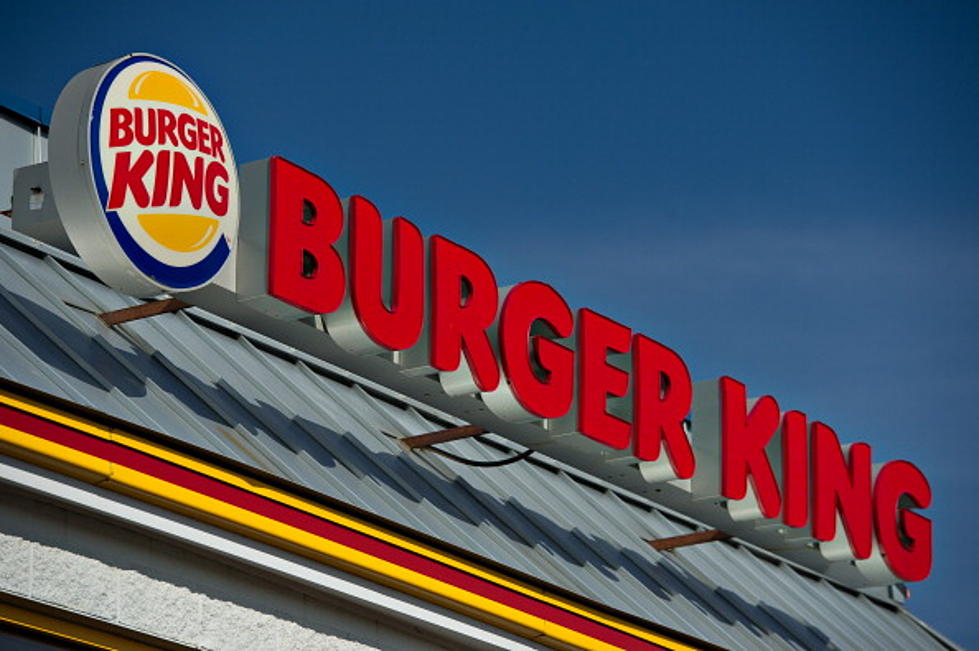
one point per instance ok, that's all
(520, 456)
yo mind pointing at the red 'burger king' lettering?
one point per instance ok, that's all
(464, 302)
(540, 371)
(170, 175)
(842, 486)
(305, 219)
(547, 377)
(120, 127)
(597, 379)
(795, 470)
(661, 398)
(216, 193)
(159, 126)
(398, 326)
(903, 535)
(128, 178)
(744, 436)
(161, 184)
(186, 178)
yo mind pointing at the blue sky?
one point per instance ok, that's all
(785, 194)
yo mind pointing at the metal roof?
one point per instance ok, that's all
(216, 385)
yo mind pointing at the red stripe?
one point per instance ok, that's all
(196, 482)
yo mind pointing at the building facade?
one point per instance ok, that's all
(181, 481)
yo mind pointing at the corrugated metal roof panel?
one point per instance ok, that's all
(214, 385)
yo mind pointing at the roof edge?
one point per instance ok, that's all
(22, 108)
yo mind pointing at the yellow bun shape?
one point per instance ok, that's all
(164, 87)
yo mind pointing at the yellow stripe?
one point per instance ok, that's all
(381, 534)
(130, 481)
(311, 508)
(79, 464)
(67, 630)
(48, 413)
(225, 512)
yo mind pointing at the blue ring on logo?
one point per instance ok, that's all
(167, 275)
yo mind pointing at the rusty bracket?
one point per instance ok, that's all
(143, 310)
(441, 436)
(667, 544)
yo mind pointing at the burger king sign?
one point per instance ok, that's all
(146, 190)
(141, 158)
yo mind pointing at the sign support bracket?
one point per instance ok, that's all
(143, 310)
(441, 436)
(684, 540)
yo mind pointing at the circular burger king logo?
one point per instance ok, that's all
(161, 211)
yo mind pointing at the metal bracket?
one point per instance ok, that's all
(143, 310)
(441, 436)
(667, 544)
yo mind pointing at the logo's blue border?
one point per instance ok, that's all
(170, 276)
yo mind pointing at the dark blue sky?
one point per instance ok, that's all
(786, 194)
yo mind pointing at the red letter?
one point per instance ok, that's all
(161, 183)
(903, 535)
(546, 393)
(126, 177)
(660, 402)
(305, 219)
(841, 486)
(743, 440)
(145, 128)
(120, 127)
(597, 379)
(184, 177)
(167, 127)
(459, 321)
(397, 327)
(795, 469)
(185, 128)
(204, 137)
(217, 140)
(217, 194)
